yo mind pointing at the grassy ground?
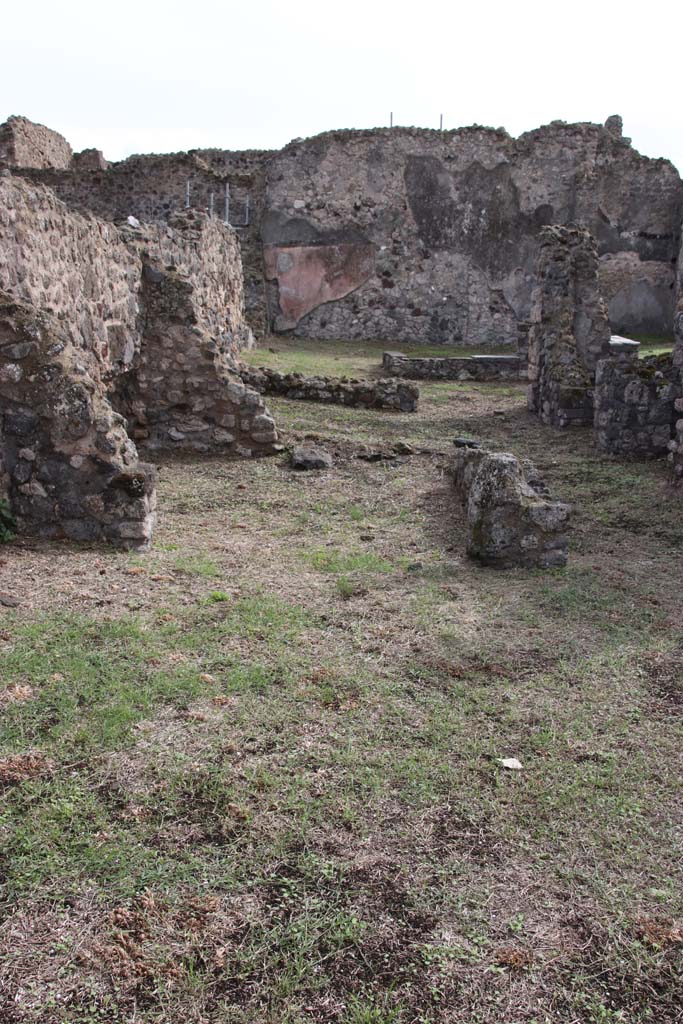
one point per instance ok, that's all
(252, 776)
(352, 359)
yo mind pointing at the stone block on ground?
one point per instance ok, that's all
(305, 458)
(511, 520)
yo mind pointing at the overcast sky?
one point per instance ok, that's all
(139, 76)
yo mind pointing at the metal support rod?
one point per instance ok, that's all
(246, 212)
(391, 119)
(211, 206)
(440, 122)
(227, 205)
(187, 195)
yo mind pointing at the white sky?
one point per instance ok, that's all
(140, 76)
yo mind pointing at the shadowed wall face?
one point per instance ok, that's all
(454, 218)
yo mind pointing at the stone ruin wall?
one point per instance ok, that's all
(635, 404)
(511, 519)
(152, 188)
(427, 236)
(25, 144)
(54, 258)
(77, 268)
(411, 235)
(98, 320)
(639, 402)
(570, 330)
(676, 445)
(69, 467)
(580, 375)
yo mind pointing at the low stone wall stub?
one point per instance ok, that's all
(480, 368)
(369, 394)
(635, 405)
(182, 391)
(511, 519)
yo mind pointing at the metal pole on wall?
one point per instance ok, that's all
(440, 122)
(211, 206)
(187, 195)
(391, 119)
(246, 212)
(227, 205)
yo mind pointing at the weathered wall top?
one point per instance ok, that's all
(25, 144)
(454, 218)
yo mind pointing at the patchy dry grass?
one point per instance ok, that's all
(254, 775)
(340, 359)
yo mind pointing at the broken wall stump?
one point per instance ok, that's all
(635, 405)
(511, 520)
(569, 330)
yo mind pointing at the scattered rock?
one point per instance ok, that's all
(311, 458)
(9, 601)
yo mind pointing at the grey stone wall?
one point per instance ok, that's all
(569, 329)
(153, 188)
(639, 293)
(411, 235)
(635, 405)
(70, 468)
(676, 445)
(454, 217)
(78, 268)
(182, 390)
